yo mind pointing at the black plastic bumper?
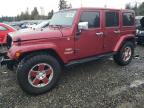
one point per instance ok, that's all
(5, 61)
(3, 54)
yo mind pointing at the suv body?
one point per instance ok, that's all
(74, 36)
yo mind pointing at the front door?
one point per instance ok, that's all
(90, 42)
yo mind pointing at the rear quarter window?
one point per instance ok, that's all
(128, 19)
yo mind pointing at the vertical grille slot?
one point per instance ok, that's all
(9, 41)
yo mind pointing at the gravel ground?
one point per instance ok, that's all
(100, 84)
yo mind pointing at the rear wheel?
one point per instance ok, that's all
(39, 74)
(125, 54)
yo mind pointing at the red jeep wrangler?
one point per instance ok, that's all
(74, 36)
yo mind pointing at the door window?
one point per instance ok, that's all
(112, 19)
(93, 19)
(2, 28)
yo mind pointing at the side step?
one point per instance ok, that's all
(89, 59)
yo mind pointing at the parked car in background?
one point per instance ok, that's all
(39, 26)
(43, 24)
(140, 29)
(4, 30)
(74, 36)
(24, 24)
(137, 20)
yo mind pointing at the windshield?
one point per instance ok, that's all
(63, 18)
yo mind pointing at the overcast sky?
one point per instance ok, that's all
(14, 7)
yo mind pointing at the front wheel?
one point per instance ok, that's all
(39, 74)
(124, 55)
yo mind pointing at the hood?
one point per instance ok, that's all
(37, 34)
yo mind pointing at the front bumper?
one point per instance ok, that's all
(3, 54)
(5, 61)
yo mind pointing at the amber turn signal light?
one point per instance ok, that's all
(17, 54)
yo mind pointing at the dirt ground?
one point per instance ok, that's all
(101, 84)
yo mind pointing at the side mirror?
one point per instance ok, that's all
(83, 26)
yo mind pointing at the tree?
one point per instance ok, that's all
(135, 8)
(26, 14)
(22, 16)
(50, 14)
(62, 5)
(18, 18)
(70, 6)
(128, 6)
(141, 9)
(34, 14)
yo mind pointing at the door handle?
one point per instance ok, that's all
(99, 33)
(117, 32)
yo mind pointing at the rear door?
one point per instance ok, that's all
(111, 29)
(90, 42)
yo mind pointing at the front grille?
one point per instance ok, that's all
(9, 41)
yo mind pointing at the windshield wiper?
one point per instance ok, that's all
(55, 26)
(58, 26)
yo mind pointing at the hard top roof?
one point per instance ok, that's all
(93, 8)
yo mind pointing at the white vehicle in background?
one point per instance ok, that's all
(41, 25)
(30, 25)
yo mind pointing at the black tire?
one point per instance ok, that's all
(118, 57)
(24, 69)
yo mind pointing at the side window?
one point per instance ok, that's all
(112, 19)
(2, 28)
(128, 19)
(93, 19)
